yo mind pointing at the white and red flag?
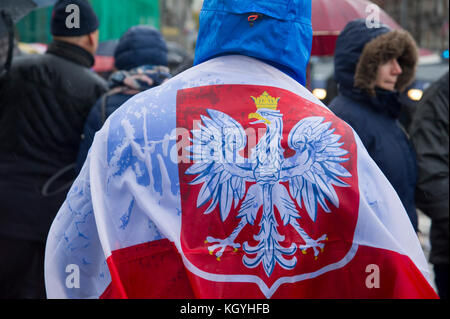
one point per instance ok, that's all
(232, 181)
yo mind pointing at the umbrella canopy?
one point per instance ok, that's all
(11, 11)
(17, 9)
(329, 17)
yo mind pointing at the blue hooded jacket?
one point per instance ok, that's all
(281, 33)
(375, 118)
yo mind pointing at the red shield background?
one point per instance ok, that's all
(339, 225)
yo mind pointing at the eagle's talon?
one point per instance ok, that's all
(219, 245)
(315, 245)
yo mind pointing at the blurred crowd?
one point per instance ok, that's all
(52, 105)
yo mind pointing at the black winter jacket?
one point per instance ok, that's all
(429, 133)
(44, 101)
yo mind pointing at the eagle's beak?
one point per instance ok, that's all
(259, 118)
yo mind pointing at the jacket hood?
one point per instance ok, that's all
(360, 50)
(281, 33)
(138, 46)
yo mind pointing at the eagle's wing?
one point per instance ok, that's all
(215, 152)
(316, 167)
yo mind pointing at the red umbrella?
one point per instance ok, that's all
(329, 17)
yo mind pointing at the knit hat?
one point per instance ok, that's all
(140, 45)
(73, 18)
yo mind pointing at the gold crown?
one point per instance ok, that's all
(265, 101)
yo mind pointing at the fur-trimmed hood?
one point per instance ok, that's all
(361, 50)
(392, 45)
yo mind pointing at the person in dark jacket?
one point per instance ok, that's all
(372, 65)
(141, 58)
(44, 101)
(429, 133)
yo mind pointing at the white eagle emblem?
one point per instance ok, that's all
(312, 173)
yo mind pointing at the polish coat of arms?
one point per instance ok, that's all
(258, 209)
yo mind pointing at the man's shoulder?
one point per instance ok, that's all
(44, 72)
(28, 63)
(69, 69)
(50, 63)
(435, 100)
(95, 79)
(45, 60)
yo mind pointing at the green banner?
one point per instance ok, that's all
(115, 16)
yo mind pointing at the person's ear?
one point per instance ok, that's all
(93, 40)
(91, 37)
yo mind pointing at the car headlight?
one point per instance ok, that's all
(320, 93)
(415, 94)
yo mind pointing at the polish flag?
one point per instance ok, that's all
(231, 180)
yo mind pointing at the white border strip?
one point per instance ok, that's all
(269, 291)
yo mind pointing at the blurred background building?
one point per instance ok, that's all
(176, 19)
(115, 16)
(426, 20)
